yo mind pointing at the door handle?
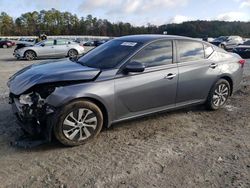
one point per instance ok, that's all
(170, 76)
(213, 65)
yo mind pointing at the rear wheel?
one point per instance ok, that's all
(78, 122)
(30, 55)
(72, 53)
(218, 95)
(5, 46)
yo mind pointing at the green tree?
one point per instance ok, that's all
(6, 24)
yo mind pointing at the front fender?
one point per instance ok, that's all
(103, 92)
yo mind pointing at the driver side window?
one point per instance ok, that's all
(49, 43)
(155, 54)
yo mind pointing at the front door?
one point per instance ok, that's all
(45, 49)
(151, 90)
(61, 48)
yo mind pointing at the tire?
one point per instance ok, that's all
(5, 46)
(218, 95)
(223, 46)
(30, 55)
(70, 129)
(72, 53)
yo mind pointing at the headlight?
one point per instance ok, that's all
(26, 99)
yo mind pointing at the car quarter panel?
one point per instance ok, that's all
(231, 68)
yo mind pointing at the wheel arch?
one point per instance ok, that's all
(97, 102)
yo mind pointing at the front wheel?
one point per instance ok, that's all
(218, 95)
(5, 46)
(78, 122)
(30, 55)
(223, 46)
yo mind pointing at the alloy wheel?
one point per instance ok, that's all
(30, 55)
(220, 95)
(72, 54)
(79, 124)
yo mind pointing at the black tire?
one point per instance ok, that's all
(72, 53)
(217, 99)
(63, 131)
(223, 46)
(30, 55)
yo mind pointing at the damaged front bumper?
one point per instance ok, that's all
(33, 117)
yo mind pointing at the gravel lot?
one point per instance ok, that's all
(185, 148)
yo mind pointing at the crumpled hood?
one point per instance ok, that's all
(49, 72)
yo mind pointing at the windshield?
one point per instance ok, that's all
(109, 55)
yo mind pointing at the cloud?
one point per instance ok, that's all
(130, 6)
(231, 16)
(179, 19)
(245, 4)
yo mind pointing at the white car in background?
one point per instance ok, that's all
(50, 48)
(227, 42)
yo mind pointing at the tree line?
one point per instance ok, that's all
(54, 22)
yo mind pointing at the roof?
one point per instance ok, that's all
(149, 37)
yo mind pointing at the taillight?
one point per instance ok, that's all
(242, 62)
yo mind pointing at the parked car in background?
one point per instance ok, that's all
(50, 48)
(227, 42)
(124, 78)
(243, 50)
(95, 43)
(6, 44)
(26, 41)
(80, 41)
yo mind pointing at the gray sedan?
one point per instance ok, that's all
(50, 48)
(125, 78)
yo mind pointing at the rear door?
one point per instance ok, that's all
(155, 88)
(197, 72)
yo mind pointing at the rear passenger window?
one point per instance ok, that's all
(208, 50)
(155, 54)
(60, 42)
(190, 51)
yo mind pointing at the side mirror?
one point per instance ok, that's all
(42, 44)
(134, 67)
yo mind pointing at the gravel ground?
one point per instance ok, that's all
(185, 148)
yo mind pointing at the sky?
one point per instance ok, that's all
(139, 12)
